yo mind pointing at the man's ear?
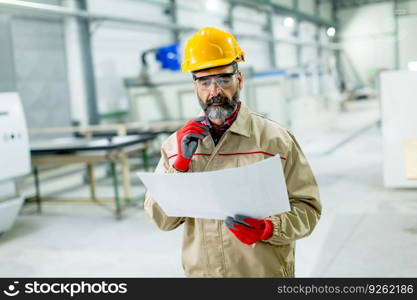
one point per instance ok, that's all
(240, 79)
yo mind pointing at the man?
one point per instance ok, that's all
(229, 135)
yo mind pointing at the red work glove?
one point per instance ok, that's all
(187, 139)
(249, 230)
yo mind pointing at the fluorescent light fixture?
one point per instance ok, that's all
(331, 31)
(412, 65)
(288, 22)
(212, 5)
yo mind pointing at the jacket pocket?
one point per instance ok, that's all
(285, 257)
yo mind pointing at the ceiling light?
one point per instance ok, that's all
(288, 22)
(331, 31)
(212, 5)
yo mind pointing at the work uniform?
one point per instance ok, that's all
(209, 248)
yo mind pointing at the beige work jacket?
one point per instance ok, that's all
(209, 248)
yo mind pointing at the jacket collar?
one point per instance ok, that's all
(242, 125)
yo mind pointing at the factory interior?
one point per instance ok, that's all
(91, 89)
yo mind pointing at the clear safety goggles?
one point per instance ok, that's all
(224, 80)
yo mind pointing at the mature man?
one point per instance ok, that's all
(230, 135)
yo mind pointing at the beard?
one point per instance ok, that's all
(222, 111)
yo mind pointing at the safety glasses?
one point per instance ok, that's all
(224, 80)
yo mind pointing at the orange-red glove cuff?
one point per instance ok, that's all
(269, 228)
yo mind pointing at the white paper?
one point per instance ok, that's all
(256, 190)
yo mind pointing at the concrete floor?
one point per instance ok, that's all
(365, 230)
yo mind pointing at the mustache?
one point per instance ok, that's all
(217, 99)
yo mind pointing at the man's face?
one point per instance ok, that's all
(218, 91)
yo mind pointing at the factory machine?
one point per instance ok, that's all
(14, 157)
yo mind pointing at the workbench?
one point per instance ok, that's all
(64, 151)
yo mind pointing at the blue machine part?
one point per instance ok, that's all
(168, 56)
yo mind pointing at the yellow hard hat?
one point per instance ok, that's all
(210, 47)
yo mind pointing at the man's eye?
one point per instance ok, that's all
(224, 80)
(204, 82)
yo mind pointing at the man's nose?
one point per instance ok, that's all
(214, 89)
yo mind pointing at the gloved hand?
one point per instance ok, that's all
(249, 230)
(187, 139)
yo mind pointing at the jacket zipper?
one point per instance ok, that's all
(216, 148)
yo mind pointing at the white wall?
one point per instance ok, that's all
(398, 95)
(307, 33)
(257, 55)
(368, 36)
(325, 10)
(117, 48)
(187, 15)
(407, 40)
(306, 6)
(287, 3)
(285, 53)
(40, 68)
(407, 25)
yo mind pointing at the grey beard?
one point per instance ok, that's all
(220, 112)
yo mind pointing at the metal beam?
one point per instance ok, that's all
(8, 69)
(88, 65)
(229, 21)
(338, 57)
(21, 7)
(298, 50)
(343, 4)
(271, 44)
(319, 48)
(330, 46)
(172, 10)
(280, 9)
(318, 29)
(396, 36)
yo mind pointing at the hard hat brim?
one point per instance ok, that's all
(209, 64)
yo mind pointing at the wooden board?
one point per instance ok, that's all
(410, 155)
